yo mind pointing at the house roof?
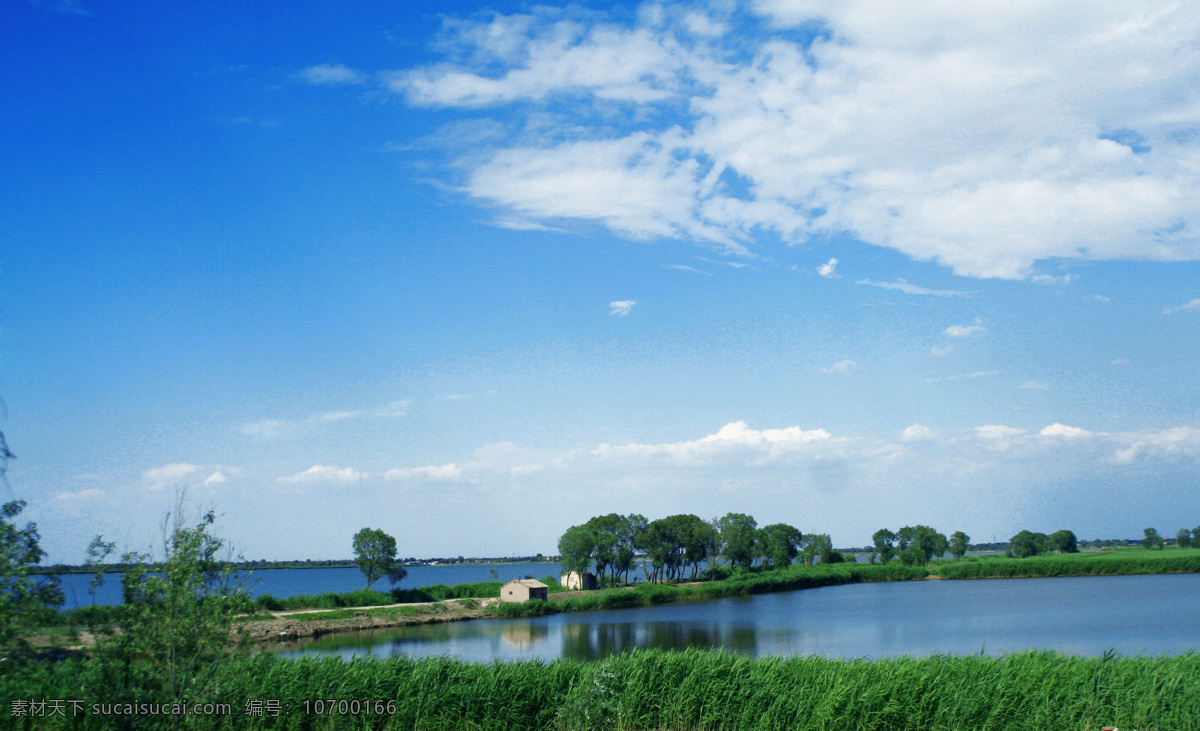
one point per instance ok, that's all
(531, 583)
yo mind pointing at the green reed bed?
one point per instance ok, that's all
(691, 690)
(1104, 564)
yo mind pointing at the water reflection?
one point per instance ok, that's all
(1081, 615)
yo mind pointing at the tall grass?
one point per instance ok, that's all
(1103, 564)
(688, 690)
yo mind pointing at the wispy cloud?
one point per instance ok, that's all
(842, 366)
(1035, 385)
(826, 269)
(1101, 298)
(901, 285)
(1119, 361)
(160, 477)
(964, 331)
(331, 74)
(686, 268)
(936, 352)
(323, 473)
(621, 308)
(1192, 305)
(964, 376)
(277, 428)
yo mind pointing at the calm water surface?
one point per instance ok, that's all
(1080, 615)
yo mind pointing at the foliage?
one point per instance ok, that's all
(690, 690)
(1026, 544)
(780, 543)
(920, 544)
(575, 548)
(97, 551)
(24, 603)
(375, 556)
(1062, 541)
(885, 544)
(175, 624)
(1152, 540)
(958, 544)
(738, 533)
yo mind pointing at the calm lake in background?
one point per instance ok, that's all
(1153, 614)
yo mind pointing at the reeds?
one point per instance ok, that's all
(687, 690)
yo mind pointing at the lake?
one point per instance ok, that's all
(281, 583)
(1154, 614)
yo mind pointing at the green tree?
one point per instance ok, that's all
(885, 544)
(175, 624)
(97, 551)
(575, 548)
(958, 544)
(1183, 538)
(818, 546)
(375, 556)
(781, 544)
(921, 544)
(1062, 541)
(1024, 544)
(24, 602)
(738, 533)
(1152, 540)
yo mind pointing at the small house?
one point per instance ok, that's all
(522, 590)
(574, 580)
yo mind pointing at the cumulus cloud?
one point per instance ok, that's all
(826, 269)
(160, 477)
(842, 366)
(323, 473)
(736, 436)
(985, 137)
(216, 478)
(438, 473)
(1062, 430)
(964, 331)
(916, 433)
(621, 308)
(1191, 305)
(901, 285)
(331, 74)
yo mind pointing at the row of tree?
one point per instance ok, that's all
(676, 546)
(1183, 538)
(916, 545)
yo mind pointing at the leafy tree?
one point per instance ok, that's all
(1152, 539)
(1183, 538)
(885, 544)
(606, 533)
(375, 556)
(631, 526)
(958, 544)
(1024, 544)
(696, 537)
(24, 603)
(575, 548)
(921, 544)
(819, 546)
(1062, 541)
(781, 543)
(97, 551)
(175, 625)
(739, 532)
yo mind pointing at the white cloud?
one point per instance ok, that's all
(997, 431)
(936, 352)
(621, 308)
(85, 494)
(1062, 430)
(903, 286)
(736, 436)
(916, 433)
(1191, 305)
(1035, 385)
(826, 269)
(686, 268)
(1119, 361)
(842, 366)
(438, 473)
(323, 473)
(986, 137)
(216, 478)
(331, 74)
(1101, 298)
(963, 331)
(160, 477)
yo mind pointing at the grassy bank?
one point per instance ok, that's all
(689, 690)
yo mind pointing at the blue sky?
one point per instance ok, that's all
(447, 270)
